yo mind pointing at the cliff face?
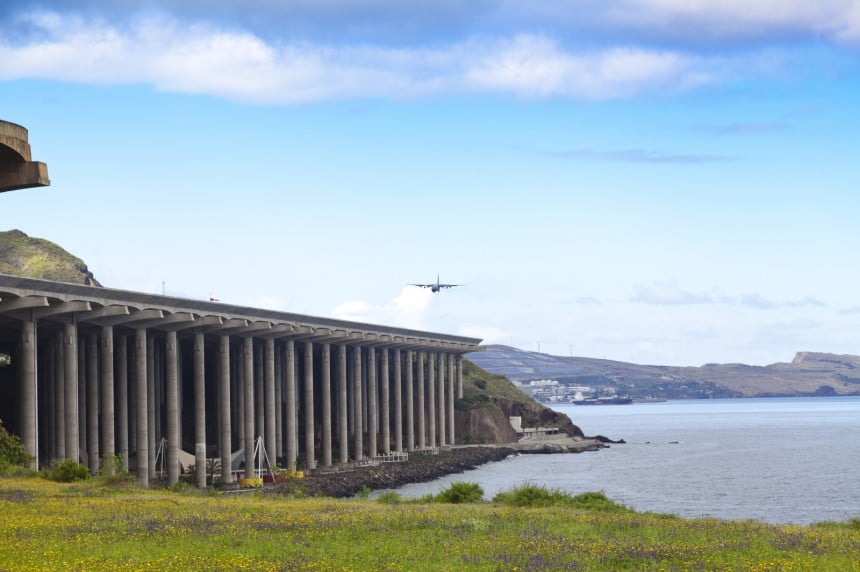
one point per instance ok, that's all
(489, 400)
(483, 425)
(21, 255)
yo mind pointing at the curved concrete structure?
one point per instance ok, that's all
(17, 168)
(187, 379)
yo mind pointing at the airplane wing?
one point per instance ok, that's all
(422, 285)
(447, 285)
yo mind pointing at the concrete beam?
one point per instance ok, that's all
(132, 318)
(17, 168)
(169, 323)
(24, 303)
(62, 308)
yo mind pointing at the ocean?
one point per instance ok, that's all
(780, 460)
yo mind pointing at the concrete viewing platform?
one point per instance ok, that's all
(17, 168)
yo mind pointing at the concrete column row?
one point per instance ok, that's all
(133, 388)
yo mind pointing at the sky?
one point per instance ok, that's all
(669, 182)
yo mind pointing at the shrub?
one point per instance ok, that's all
(364, 492)
(111, 470)
(389, 497)
(461, 492)
(67, 471)
(597, 501)
(12, 452)
(528, 494)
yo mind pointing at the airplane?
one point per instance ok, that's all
(437, 286)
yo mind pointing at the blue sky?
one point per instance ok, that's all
(657, 181)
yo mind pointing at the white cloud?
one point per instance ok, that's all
(408, 310)
(532, 65)
(835, 19)
(353, 310)
(669, 293)
(757, 301)
(238, 65)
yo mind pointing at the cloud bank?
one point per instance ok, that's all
(534, 51)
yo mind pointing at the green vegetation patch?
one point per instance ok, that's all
(21, 255)
(12, 452)
(86, 526)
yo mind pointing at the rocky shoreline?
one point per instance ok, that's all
(423, 468)
(420, 468)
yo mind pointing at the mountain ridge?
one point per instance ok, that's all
(30, 257)
(808, 374)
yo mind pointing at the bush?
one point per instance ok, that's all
(389, 497)
(111, 470)
(528, 494)
(12, 452)
(461, 492)
(67, 471)
(536, 496)
(597, 501)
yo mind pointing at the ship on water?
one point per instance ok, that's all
(612, 400)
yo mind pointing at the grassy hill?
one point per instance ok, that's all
(489, 400)
(21, 255)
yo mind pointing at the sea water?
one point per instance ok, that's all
(781, 460)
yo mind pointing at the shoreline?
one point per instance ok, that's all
(422, 467)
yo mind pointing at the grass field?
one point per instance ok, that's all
(90, 526)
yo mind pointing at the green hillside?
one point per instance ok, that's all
(21, 255)
(497, 395)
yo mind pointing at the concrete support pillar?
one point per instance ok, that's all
(141, 397)
(410, 403)
(450, 395)
(310, 456)
(238, 378)
(270, 440)
(342, 420)
(248, 381)
(180, 367)
(398, 402)
(171, 399)
(60, 401)
(70, 357)
(459, 377)
(443, 426)
(92, 362)
(422, 413)
(325, 383)
(199, 410)
(292, 421)
(29, 404)
(431, 399)
(350, 401)
(122, 400)
(225, 448)
(46, 401)
(385, 400)
(152, 419)
(259, 395)
(279, 402)
(358, 441)
(372, 402)
(107, 393)
(82, 396)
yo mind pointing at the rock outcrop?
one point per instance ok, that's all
(21, 255)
